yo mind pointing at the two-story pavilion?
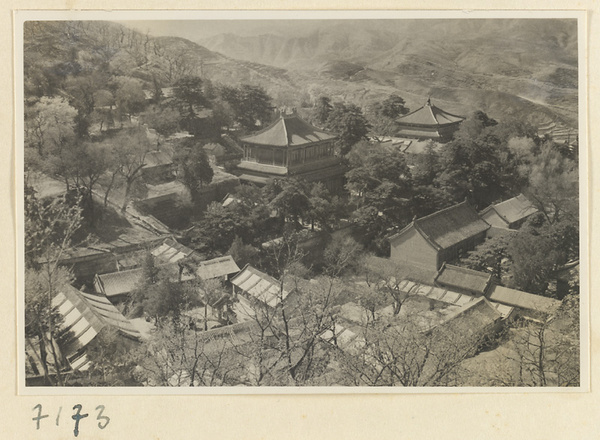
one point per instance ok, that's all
(429, 122)
(291, 147)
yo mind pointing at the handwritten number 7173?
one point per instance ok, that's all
(78, 416)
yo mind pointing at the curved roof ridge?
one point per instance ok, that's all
(285, 131)
(289, 131)
(447, 113)
(265, 129)
(429, 114)
(430, 106)
(412, 113)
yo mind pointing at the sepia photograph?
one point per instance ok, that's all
(342, 204)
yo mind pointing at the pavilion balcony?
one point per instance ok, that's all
(280, 170)
(316, 164)
(263, 168)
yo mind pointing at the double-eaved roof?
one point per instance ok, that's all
(512, 210)
(288, 131)
(429, 116)
(448, 227)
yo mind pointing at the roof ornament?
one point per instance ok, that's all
(429, 100)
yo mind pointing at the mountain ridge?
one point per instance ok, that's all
(467, 70)
(535, 61)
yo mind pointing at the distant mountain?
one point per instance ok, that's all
(523, 68)
(334, 42)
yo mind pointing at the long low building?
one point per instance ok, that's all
(450, 297)
(118, 284)
(259, 287)
(463, 279)
(523, 300)
(462, 291)
(84, 317)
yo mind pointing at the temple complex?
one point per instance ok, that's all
(291, 147)
(429, 122)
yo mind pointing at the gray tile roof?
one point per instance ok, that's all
(288, 131)
(217, 267)
(260, 286)
(523, 300)
(513, 210)
(448, 226)
(429, 115)
(119, 283)
(466, 279)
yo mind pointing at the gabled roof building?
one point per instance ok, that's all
(510, 214)
(429, 122)
(439, 237)
(450, 296)
(464, 280)
(118, 284)
(291, 147)
(220, 267)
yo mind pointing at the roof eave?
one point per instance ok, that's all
(429, 240)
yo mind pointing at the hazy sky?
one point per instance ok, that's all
(198, 29)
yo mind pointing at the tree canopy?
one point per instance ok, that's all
(250, 104)
(348, 121)
(194, 168)
(380, 185)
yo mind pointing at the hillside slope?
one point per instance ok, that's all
(65, 47)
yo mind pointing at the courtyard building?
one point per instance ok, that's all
(443, 236)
